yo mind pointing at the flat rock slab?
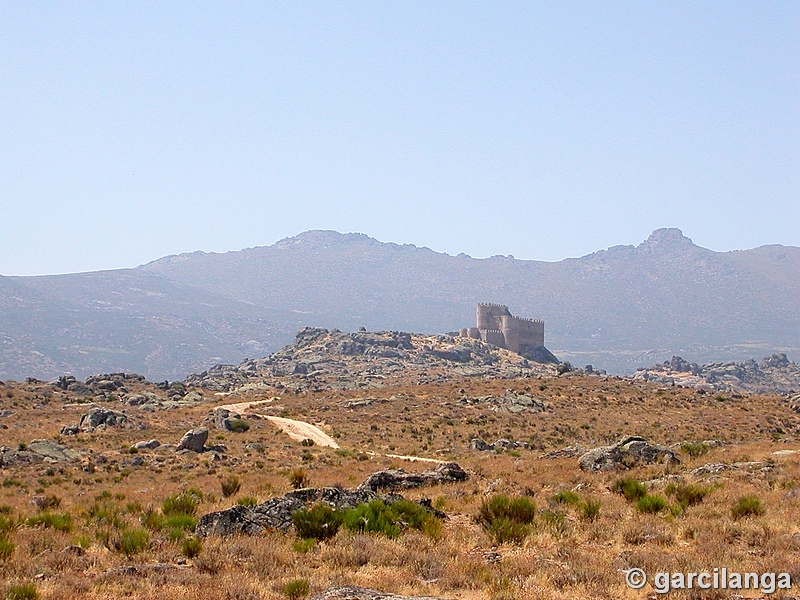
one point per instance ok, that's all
(351, 592)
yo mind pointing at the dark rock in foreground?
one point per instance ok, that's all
(397, 479)
(629, 452)
(276, 513)
(351, 592)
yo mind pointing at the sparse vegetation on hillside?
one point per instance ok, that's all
(110, 524)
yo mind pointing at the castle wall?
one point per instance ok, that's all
(493, 336)
(488, 315)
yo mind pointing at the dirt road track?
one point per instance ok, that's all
(298, 430)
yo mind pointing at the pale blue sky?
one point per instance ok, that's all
(129, 131)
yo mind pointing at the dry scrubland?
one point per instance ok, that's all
(106, 534)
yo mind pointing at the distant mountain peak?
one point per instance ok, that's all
(321, 238)
(667, 237)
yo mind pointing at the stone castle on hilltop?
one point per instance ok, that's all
(496, 325)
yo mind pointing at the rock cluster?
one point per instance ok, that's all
(629, 452)
(500, 445)
(773, 374)
(99, 385)
(95, 418)
(319, 358)
(276, 513)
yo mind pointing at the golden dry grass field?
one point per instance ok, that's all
(101, 528)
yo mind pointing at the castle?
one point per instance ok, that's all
(496, 325)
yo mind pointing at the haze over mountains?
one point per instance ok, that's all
(617, 309)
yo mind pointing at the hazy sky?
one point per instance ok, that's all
(133, 130)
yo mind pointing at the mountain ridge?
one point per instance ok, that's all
(618, 308)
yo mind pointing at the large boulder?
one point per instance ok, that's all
(194, 440)
(396, 479)
(96, 417)
(222, 418)
(627, 453)
(351, 592)
(276, 513)
(36, 452)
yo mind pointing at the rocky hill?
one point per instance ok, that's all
(773, 374)
(321, 359)
(618, 309)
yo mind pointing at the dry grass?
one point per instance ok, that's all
(566, 555)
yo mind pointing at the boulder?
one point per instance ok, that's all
(629, 452)
(37, 451)
(276, 513)
(194, 440)
(149, 445)
(223, 417)
(96, 417)
(479, 444)
(351, 592)
(395, 479)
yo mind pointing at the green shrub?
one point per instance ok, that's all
(297, 589)
(6, 548)
(185, 502)
(694, 449)
(57, 521)
(630, 488)
(651, 504)
(154, 520)
(567, 497)
(230, 485)
(319, 522)
(24, 591)
(687, 494)
(7, 524)
(176, 534)
(520, 510)
(507, 519)
(191, 547)
(238, 425)
(590, 509)
(506, 531)
(247, 501)
(747, 506)
(106, 512)
(181, 521)
(132, 541)
(390, 519)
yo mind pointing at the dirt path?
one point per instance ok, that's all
(299, 430)
(410, 458)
